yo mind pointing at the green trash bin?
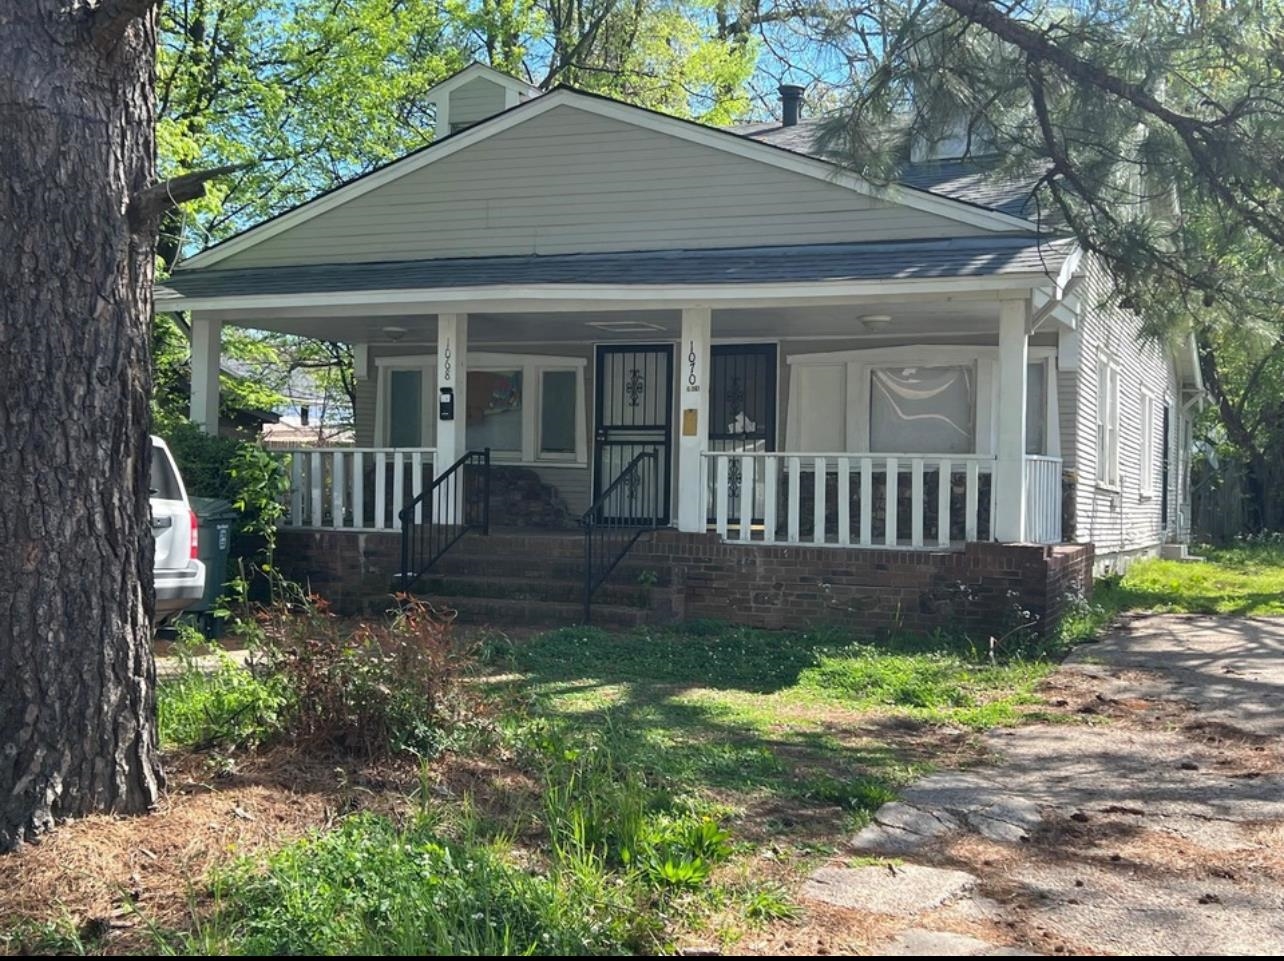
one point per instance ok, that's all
(215, 518)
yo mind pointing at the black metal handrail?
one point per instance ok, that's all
(456, 502)
(622, 513)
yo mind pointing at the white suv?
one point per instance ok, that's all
(178, 574)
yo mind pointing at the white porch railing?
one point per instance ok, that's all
(1043, 499)
(354, 488)
(850, 500)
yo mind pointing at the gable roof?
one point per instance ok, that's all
(724, 140)
(974, 180)
(472, 72)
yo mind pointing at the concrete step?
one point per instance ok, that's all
(509, 612)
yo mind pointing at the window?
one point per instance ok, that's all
(923, 410)
(557, 430)
(1036, 408)
(1107, 423)
(1147, 482)
(526, 408)
(494, 410)
(405, 404)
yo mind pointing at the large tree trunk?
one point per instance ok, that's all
(77, 678)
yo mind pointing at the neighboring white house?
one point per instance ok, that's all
(814, 359)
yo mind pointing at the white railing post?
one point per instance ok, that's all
(317, 479)
(866, 501)
(769, 489)
(916, 502)
(746, 497)
(358, 489)
(819, 467)
(723, 482)
(338, 488)
(844, 501)
(296, 488)
(795, 498)
(891, 501)
(943, 492)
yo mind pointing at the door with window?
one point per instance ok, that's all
(633, 413)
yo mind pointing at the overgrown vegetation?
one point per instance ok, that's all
(1247, 578)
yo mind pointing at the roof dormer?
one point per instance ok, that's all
(475, 93)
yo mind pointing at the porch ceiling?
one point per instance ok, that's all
(958, 317)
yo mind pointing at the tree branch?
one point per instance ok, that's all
(111, 18)
(147, 205)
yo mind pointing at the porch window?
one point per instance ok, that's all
(405, 403)
(923, 410)
(557, 424)
(495, 410)
(1107, 423)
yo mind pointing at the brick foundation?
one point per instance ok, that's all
(981, 589)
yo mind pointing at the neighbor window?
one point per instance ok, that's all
(1036, 408)
(1107, 423)
(1147, 484)
(923, 410)
(494, 410)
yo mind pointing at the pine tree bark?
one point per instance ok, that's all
(77, 676)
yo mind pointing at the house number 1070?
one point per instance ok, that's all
(693, 382)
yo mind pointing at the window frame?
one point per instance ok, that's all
(857, 366)
(1107, 422)
(1146, 483)
(532, 367)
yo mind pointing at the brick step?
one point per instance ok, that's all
(507, 612)
(533, 588)
(469, 564)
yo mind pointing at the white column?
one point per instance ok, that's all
(206, 345)
(452, 359)
(1009, 471)
(693, 416)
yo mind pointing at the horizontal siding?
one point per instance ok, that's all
(573, 484)
(475, 100)
(568, 181)
(363, 414)
(1123, 520)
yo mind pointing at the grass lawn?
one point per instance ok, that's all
(1241, 580)
(603, 792)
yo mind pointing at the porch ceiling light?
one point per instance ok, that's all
(394, 333)
(876, 322)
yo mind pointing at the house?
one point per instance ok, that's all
(906, 404)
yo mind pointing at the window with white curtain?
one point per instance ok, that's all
(1147, 484)
(923, 410)
(1107, 423)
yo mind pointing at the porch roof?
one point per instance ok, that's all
(903, 260)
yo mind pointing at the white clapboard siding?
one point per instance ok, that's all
(570, 181)
(475, 100)
(1126, 518)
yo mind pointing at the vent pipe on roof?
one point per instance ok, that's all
(791, 95)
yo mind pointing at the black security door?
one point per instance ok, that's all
(634, 413)
(742, 412)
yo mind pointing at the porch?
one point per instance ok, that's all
(905, 398)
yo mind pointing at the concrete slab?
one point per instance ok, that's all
(900, 890)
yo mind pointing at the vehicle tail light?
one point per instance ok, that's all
(195, 528)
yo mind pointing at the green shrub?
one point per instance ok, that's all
(372, 688)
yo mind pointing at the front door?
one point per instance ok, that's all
(742, 414)
(634, 413)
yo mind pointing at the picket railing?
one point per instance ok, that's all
(1043, 499)
(355, 488)
(850, 500)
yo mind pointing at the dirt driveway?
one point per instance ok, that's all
(1149, 819)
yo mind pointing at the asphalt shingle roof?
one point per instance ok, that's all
(904, 260)
(973, 181)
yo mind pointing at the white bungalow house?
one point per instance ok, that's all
(809, 361)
